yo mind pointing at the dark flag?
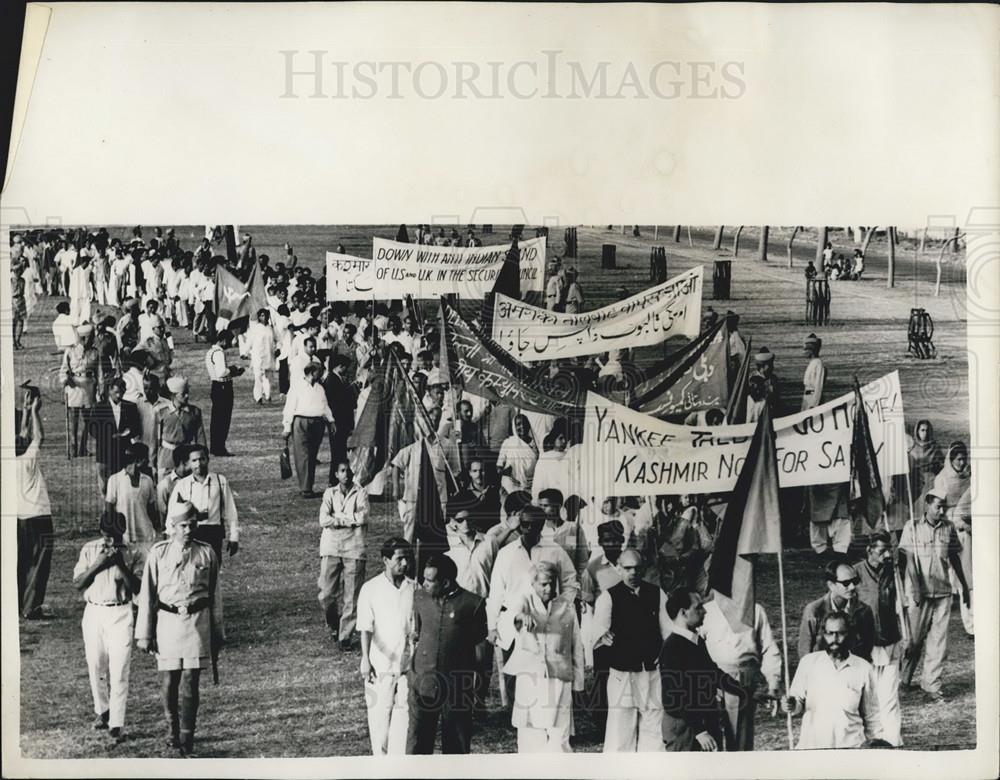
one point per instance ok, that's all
(696, 382)
(483, 367)
(229, 234)
(237, 302)
(752, 525)
(508, 282)
(737, 411)
(390, 420)
(429, 527)
(867, 497)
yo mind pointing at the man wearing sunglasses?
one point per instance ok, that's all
(841, 596)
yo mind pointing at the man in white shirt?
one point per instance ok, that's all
(297, 363)
(306, 419)
(106, 573)
(746, 656)
(212, 498)
(63, 328)
(261, 348)
(512, 577)
(815, 376)
(385, 609)
(837, 692)
(221, 376)
(149, 319)
(34, 513)
(630, 618)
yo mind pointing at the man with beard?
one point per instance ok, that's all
(836, 692)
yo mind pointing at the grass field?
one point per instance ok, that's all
(285, 689)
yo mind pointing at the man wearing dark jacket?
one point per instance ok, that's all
(842, 596)
(692, 715)
(341, 400)
(448, 624)
(877, 589)
(114, 424)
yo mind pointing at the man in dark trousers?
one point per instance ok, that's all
(692, 714)
(222, 393)
(448, 624)
(114, 424)
(341, 400)
(841, 596)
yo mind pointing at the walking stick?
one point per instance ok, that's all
(497, 653)
(784, 645)
(66, 430)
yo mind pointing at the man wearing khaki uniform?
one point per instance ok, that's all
(929, 550)
(180, 619)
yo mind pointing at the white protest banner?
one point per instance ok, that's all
(433, 271)
(627, 453)
(349, 278)
(651, 317)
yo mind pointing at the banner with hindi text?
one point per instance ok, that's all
(650, 317)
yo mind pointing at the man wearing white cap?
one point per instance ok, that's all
(764, 368)
(180, 424)
(815, 376)
(180, 619)
(928, 551)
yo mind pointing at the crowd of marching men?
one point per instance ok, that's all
(497, 564)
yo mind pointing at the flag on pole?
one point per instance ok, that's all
(737, 410)
(391, 419)
(236, 302)
(698, 381)
(752, 525)
(429, 527)
(508, 281)
(867, 496)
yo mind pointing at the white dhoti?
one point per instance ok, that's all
(885, 662)
(542, 714)
(635, 712)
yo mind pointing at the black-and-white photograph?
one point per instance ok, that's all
(500, 390)
(346, 490)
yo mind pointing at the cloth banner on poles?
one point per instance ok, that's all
(481, 367)
(697, 383)
(433, 271)
(651, 317)
(627, 453)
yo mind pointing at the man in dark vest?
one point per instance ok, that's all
(630, 618)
